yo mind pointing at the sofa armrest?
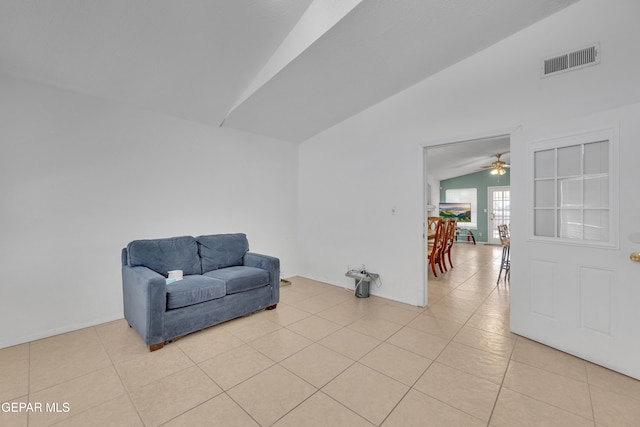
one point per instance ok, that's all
(272, 265)
(144, 297)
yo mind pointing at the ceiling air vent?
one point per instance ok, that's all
(571, 61)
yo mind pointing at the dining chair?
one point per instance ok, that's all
(436, 245)
(505, 263)
(450, 234)
(432, 223)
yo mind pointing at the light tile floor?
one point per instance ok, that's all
(324, 358)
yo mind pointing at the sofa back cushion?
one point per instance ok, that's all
(163, 255)
(222, 250)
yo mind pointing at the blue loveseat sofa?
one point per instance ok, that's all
(222, 280)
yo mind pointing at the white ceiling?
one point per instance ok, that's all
(196, 59)
(186, 58)
(462, 158)
(378, 49)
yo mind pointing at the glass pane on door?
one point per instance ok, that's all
(571, 188)
(500, 211)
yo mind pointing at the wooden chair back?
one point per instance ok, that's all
(436, 245)
(432, 223)
(450, 234)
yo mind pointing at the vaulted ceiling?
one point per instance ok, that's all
(282, 68)
(465, 157)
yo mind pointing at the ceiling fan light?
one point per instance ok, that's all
(498, 171)
(497, 167)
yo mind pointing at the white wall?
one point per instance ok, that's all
(354, 173)
(80, 177)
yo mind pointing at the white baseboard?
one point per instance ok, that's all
(57, 331)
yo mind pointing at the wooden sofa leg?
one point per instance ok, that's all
(157, 346)
(272, 307)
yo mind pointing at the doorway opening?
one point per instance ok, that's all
(464, 164)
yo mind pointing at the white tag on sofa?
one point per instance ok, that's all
(175, 274)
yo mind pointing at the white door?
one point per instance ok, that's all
(499, 203)
(576, 221)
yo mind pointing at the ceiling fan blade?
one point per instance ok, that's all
(498, 165)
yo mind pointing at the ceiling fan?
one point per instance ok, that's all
(497, 167)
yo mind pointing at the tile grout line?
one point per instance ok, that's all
(495, 403)
(439, 354)
(124, 386)
(29, 380)
(494, 288)
(593, 412)
(319, 390)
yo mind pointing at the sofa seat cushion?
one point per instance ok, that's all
(193, 290)
(240, 278)
(164, 255)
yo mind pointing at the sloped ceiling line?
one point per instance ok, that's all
(287, 69)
